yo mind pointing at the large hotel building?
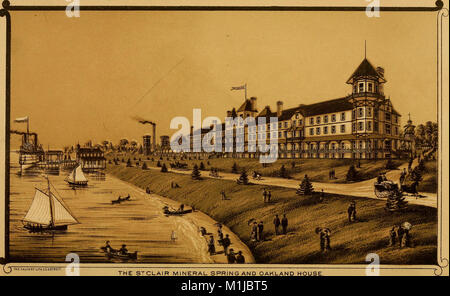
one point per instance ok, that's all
(362, 125)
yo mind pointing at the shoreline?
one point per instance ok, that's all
(189, 227)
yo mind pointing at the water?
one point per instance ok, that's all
(138, 223)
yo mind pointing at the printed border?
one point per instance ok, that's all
(442, 12)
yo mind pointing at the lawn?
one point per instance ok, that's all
(316, 169)
(350, 242)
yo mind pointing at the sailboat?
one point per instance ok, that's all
(76, 177)
(48, 212)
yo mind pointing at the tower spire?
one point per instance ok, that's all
(365, 49)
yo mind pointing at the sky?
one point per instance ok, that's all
(87, 78)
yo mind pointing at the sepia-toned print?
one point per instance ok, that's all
(299, 137)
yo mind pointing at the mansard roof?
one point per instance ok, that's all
(246, 106)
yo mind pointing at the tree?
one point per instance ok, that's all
(395, 201)
(129, 163)
(123, 144)
(158, 164)
(283, 172)
(243, 178)
(133, 144)
(196, 175)
(234, 168)
(306, 187)
(164, 168)
(352, 174)
(105, 144)
(202, 166)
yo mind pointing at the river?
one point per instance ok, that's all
(138, 223)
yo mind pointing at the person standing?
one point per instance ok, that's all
(223, 195)
(240, 259)
(211, 246)
(260, 231)
(269, 196)
(264, 195)
(226, 243)
(350, 210)
(254, 233)
(231, 257)
(276, 223)
(392, 236)
(400, 233)
(284, 223)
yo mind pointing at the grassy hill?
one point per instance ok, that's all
(350, 242)
(316, 169)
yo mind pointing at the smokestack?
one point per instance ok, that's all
(279, 108)
(154, 136)
(253, 100)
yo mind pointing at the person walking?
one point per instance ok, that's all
(269, 196)
(254, 233)
(260, 231)
(276, 223)
(284, 223)
(264, 195)
(226, 242)
(223, 195)
(400, 233)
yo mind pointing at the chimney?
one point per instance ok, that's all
(253, 100)
(279, 108)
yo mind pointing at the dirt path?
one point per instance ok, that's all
(188, 226)
(360, 189)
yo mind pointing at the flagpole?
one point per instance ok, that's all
(246, 91)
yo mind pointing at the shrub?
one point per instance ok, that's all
(306, 187)
(163, 168)
(352, 174)
(196, 173)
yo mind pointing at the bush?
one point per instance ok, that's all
(283, 172)
(352, 174)
(144, 166)
(129, 163)
(158, 164)
(163, 168)
(243, 178)
(306, 187)
(202, 166)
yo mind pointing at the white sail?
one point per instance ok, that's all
(61, 214)
(76, 175)
(39, 211)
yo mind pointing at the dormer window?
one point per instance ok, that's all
(361, 87)
(370, 87)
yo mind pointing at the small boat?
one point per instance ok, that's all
(76, 177)
(175, 213)
(48, 212)
(119, 200)
(118, 255)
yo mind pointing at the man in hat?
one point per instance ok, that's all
(231, 257)
(226, 242)
(276, 223)
(123, 250)
(392, 236)
(351, 211)
(240, 259)
(108, 248)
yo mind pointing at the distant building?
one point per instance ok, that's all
(147, 144)
(91, 159)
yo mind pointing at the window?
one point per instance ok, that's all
(294, 122)
(354, 127)
(318, 131)
(343, 128)
(342, 116)
(286, 124)
(360, 112)
(333, 129)
(388, 116)
(396, 130)
(388, 129)
(285, 134)
(300, 122)
(369, 112)
(311, 131)
(325, 130)
(343, 145)
(279, 125)
(318, 119)
(333, 118)
(296, 116)
(361, 87)
(279, 134)
(370, 87)
(360, 125)
(325, 119)
(311, 120)
(369, 125)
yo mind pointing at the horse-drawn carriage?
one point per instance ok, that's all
(385, 188)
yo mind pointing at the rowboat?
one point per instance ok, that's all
(118, 255)
(175, 213)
